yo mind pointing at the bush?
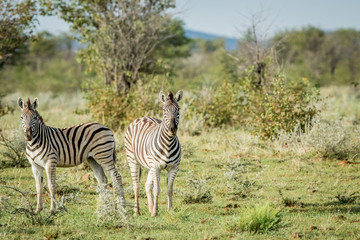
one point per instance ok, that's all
(334, 140)
(13, 153)
(273, 107)
(118, 110)
(4, 109)
(236, 179)
(257, 219)
(196, 191)
(282, 108)
(110, 212)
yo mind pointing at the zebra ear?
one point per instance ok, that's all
(35, 103)
(162, 97)
(20, 102)
(178, 95)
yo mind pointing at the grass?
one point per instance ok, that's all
(318, 182)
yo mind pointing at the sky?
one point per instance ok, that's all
(229, 18)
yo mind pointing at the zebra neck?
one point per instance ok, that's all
(165, 136)
(40, 136)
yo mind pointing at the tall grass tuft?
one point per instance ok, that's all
(257, 219)
(197, 191)
(333, 140)
(110, 211)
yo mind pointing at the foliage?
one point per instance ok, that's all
(281, 107)
(110, 212)
(345, 198)
(323, 57)
(24, 212)
(289, 202)
(226, 106)
(17, 20)
(4, 108)
(333, 140)
(235, 173)
(269, 109)
(196, 191)
(258, 219)
(119, 110)
(48, 65)
(121, 36)
(13, 154)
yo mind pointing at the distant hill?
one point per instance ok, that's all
(230, 43)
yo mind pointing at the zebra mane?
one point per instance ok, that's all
(171, 96)
(39, 116)
(28, 103)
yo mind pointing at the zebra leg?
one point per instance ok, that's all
(38, 172)
(135, 175)
(170, 183)
(155, 172)
(51, 174)
(99, 173)
(109, 167)
(149, 188)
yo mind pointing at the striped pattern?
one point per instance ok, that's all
(153, 144)
(48, 148)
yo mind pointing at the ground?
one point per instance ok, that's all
(314, 203)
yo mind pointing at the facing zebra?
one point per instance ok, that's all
(48, 148)
(153, 144)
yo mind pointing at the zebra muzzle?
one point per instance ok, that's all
(28, 135)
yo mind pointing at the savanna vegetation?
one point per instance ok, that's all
(269, 131)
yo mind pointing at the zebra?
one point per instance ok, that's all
(152, 143)
(48, 148)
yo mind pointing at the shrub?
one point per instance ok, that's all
(334, 140)
(281, 108)
(290, 202)
(347, 198)
(257, 219)
(13, 154)
(237, 179)
(22, 213)
(226, 106)
(110, 212)
(5, 109)
(118, 110)
(270, 108)
(196, 191)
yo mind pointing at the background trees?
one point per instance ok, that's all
(17, 20)
(121, 37)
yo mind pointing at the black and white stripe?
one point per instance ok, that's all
(153, 144)
(48, 148)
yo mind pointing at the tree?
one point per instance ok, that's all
(17, 21)
(121, 36)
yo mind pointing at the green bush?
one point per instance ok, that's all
(274, 107)
(257, 219)
(279, 107)
(12, 151)
(196, 191)
(118, 110)
(333, 140)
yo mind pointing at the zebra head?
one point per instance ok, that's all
(171, 110)
(29, 117)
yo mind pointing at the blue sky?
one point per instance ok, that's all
(230, 17)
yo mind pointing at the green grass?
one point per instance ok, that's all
(313, 180)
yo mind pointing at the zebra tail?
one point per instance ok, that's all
(114, 156)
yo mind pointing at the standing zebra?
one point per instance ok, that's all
(153, 144)
(48, 148)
